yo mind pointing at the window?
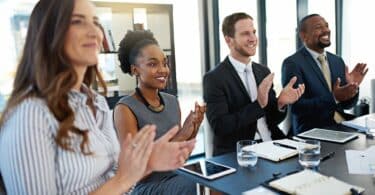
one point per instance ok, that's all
(281, 35)
(358, 39)
(14, 18)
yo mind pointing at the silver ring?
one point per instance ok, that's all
(134, 145)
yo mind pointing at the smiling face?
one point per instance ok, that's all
(83, 39)
(244, 42)
(316, 35)
(151, 67)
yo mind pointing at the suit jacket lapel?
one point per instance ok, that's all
(233, 73)
(334, 74)
(257, 73)
(311, 63)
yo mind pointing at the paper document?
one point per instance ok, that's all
(308, 182)
(361, 161)
(362, 123)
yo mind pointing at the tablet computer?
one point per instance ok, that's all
(328, 135)
(207, 169)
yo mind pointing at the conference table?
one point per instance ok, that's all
(245, 179)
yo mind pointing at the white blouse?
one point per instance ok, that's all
(31, 161)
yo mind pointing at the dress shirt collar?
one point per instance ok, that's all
(239, 66)
(315, 54)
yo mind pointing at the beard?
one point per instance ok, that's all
(243, 52)
(323, 45)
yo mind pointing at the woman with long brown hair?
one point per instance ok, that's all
(56, 133)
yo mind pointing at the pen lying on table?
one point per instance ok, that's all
(285, 146)
(328, 156)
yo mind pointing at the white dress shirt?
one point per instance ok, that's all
(315, 56)
(242, 69)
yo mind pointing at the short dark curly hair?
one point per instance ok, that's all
(131, 45)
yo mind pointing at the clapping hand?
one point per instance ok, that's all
(343, 93)
(357, 74)
(289, 95)
(354, 79)
(169, 155)
(263, 90)
(191, 125)
(134, 156)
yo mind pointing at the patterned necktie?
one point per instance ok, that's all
(327, 76)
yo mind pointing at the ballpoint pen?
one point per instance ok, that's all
(328, 156)
(298, 139)
(283, 145)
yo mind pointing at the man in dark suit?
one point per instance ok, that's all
(241, 103)
(330, 88)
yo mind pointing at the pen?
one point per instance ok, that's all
(285, 146)
(298, 139)
(328, 156)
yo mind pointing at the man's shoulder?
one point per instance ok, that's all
(219, 69)
(299, 56)
(332, 55)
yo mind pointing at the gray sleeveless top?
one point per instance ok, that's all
(163, 120)
(167, 182)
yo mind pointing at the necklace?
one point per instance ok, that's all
(156, 109)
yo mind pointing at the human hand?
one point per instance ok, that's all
(357, 74)
(134, 155)
(343, 93)
(289, 95)
(198, 118)
(191, 125)
(263, 90)
(169, 155)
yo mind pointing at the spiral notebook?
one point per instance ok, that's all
(308, 182)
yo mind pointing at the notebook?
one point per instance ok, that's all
(308, 182)
(268, 150)
(328, 135)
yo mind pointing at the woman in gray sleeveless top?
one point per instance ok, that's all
(140, 55)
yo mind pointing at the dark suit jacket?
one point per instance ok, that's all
(230, 111)
(317, 105)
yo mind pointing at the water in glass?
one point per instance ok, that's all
(309, 155)
(245, 157)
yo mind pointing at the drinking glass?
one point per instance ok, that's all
(246, 157)
(309, 153)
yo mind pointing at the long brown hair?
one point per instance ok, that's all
(45, 72)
